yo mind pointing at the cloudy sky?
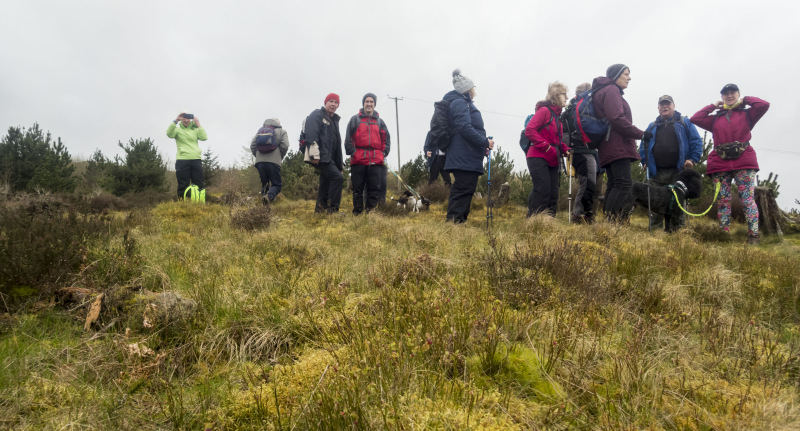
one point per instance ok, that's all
(99, 72)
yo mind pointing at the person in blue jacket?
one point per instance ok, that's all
(670, 144)
(468, 146)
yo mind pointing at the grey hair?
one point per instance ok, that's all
(582, 88)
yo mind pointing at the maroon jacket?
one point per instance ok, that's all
(609, 104)
(546, 143)
(731, 125)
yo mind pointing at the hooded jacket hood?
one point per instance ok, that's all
(603, 81)
(272, 122)
(547, 103)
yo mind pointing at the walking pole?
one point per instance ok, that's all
(649, 214)
(489, 214)
(566, 174)
(569, 197)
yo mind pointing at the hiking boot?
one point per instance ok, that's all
(578, 219)
(588, 217)
(753, 239)
(265, 200)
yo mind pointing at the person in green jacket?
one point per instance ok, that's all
(186, 130)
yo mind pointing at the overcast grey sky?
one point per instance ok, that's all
(98, 72)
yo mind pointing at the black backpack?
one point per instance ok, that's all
(526, 143)
(441, 133)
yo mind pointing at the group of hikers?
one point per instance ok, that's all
(667, 145)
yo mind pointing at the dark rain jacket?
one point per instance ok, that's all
(469, 143)
(690, 145)
(609, 104)
(324, 130)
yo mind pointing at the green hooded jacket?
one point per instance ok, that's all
(186, 138)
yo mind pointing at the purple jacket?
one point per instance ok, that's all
(609, 104)
(731, 125)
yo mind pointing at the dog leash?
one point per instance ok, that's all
(716, 192)
(416, 195)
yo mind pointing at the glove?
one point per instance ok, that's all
(647, 136)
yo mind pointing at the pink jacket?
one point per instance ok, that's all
(546, 143)
(731, 125)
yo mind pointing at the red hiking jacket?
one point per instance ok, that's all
(367, 141)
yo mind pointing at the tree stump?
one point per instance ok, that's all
(503, 196)
(770, 216)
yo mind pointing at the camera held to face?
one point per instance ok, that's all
(188, 116)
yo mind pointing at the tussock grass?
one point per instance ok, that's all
(397, 320)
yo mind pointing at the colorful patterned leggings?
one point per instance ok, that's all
(745, 182)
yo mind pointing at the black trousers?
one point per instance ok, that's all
(187, 171)
(382, 193)
(617, 203)
(544, 195)
(437, 168)
(366, 178)
(665, 177)
(461, 195)
(270, 175)
(329, 195)
(586, 168)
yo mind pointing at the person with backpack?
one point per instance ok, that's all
(321, 133)
(670, 144)
(584, 161)
(467, 146)
(187, 131)
(730, 122)
(618, 150)
(367, 143)
(544, 130)
(269, 146)
(435, 159)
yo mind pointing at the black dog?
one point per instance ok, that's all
(688, 185)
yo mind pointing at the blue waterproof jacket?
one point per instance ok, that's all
(468, 145)
(691, 145)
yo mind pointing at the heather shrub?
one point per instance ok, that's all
(43, 242)
(436, 192)
(107, 202)
(252, 218)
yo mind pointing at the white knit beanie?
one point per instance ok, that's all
(461, 83)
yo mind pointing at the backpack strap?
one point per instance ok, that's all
(552, 117)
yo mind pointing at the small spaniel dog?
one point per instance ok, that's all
(410, 202)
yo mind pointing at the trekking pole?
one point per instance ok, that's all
(489, 214)
(649, 214)
(566, 174)
(569, 196)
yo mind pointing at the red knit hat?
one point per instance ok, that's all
(332, 96)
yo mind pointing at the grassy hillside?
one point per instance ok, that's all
(406, 322)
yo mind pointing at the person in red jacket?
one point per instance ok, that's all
(618, 151)
(367, 143)
(730, 121)
(544, 131)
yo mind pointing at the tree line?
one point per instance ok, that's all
(32, 161)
